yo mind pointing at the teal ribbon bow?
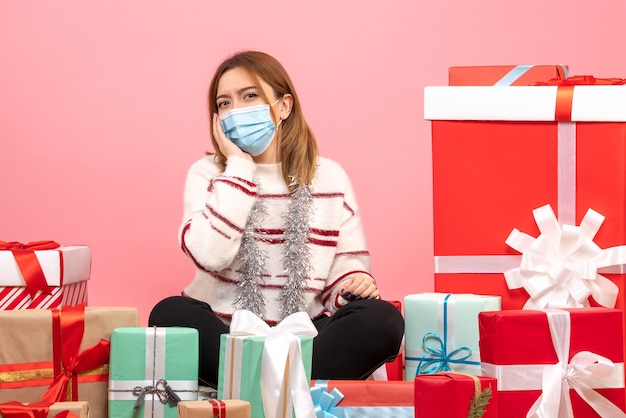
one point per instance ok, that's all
(438, 359)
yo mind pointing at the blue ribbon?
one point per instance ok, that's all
(324, 403)
(437, 360)
(518, 71)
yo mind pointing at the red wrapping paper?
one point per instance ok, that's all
(522, 337)
(490, 75)
(372, 393)
(395, 369)
(448, 395)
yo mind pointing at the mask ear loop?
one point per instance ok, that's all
(280, 120)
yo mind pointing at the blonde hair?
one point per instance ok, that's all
(298, 148)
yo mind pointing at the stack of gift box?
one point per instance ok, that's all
(61, 358)
(54, 352)
(526, 317)
(529, 234)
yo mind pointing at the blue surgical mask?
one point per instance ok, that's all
(250, 128)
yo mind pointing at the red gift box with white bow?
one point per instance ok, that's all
(501, 152)
(555, 362)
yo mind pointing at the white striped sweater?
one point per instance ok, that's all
(216, 207)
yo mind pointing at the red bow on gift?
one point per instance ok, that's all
(581, 80)
(28, 263)
(565, 93)
(68, 326)
(32, 410)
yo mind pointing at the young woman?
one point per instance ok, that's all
(274, 228)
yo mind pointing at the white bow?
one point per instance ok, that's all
(584, 371)
(559, 269)
(284, 382)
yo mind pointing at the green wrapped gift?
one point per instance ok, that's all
(270, 367)
(151, 369)
(441, 332)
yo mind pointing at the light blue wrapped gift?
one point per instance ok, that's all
(441, 332)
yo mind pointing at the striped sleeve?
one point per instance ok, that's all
(215, 209)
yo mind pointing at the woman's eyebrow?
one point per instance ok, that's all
(240, 91)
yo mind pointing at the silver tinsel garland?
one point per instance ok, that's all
(297, 259)
(252, 265)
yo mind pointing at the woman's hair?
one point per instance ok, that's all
(298, 149)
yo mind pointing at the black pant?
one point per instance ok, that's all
(350, 345)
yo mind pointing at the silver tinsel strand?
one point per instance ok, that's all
(297, 260)
(252, 265)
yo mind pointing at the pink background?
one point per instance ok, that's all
(102, 110)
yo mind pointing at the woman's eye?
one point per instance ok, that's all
(222, 104)
(250, 96)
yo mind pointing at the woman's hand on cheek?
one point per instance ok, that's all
(360, 286)
(226, 146)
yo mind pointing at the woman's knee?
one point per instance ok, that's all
(378, 316)
(390, 318)
(177, 311)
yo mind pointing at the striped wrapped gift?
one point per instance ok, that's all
(43, 275)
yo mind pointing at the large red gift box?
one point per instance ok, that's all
(504, 75)
(555, 356)
(459, 391)
(499, 153)
(43, 275)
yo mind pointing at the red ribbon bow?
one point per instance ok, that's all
(28, 264)
(32, 410)
(565, 92)
(68, 326)
(581, 80)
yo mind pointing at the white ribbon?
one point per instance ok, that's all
(581, 374)
(559, 268)
(285, 385)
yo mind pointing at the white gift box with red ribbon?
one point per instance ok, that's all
(66, 270)
(555, 363)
